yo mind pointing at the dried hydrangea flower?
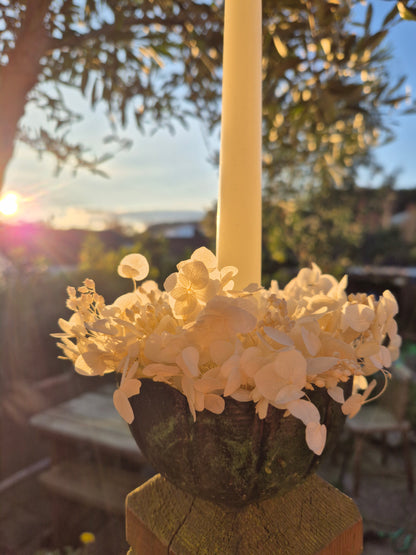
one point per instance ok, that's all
(210, 341)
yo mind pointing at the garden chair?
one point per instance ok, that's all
(378, 420)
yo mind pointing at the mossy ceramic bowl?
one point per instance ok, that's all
(233, 458)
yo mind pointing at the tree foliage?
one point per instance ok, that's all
(153, 60)
(326, 89)
(335, 228)
(326, 227)
(96, 260)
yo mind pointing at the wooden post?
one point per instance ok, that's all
(313, 518)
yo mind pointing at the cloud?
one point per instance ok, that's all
(73, 217)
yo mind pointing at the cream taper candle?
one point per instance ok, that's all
(239, 199)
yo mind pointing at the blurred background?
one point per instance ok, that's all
(109, 139)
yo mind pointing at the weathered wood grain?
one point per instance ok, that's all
(80, 482)
(313, 518)
(90, 418)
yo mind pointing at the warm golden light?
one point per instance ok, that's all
(9, 204)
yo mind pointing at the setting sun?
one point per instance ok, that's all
(9, 204)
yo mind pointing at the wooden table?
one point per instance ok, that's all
(95, 460)
(89, 419)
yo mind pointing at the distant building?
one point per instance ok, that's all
(181, 236)
(404, 213)
(181, 231)
(395, 208)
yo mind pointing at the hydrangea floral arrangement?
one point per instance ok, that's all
(210, 341)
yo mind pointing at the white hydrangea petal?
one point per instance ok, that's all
(181, 293)
(131, 387)
(110, 311)
(396, 341)
(220, 351)
(291, 366)
(267, 381)
(133, 266)
(199, 401)
(392, 328)
(122, 405)
(205, 294)
(69, 349)
(336, 393)
(256, 395)
(81, 367)
(214, 403)
(66, 326)
(278, 336)
(318, 365)
(304, 410)
(150, 286)
(190, 357)
(357, 316)
(227, 273)
(262, 407)
(367, 349)
(62, 335)
(352, 405)
(189, 392)
(394, 347)
(213, 373)
(238, 319)
(230, 365)
(242, 395)
(311, 340)
(342, 285)
(209, 384)
(382, 359)
(126, 301)
(251, 361)
(131, 372)
(205, 256)
(233, 382)
(288, 393)
(104, 326)
(385, 357)
(392, 305)
(315, 435)
(159, 369)
(171, 282)
(195, 273)
(185, 307)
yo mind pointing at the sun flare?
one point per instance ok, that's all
(9, 204)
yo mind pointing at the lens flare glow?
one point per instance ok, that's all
(9, 204)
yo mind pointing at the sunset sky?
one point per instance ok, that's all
(166, 172)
